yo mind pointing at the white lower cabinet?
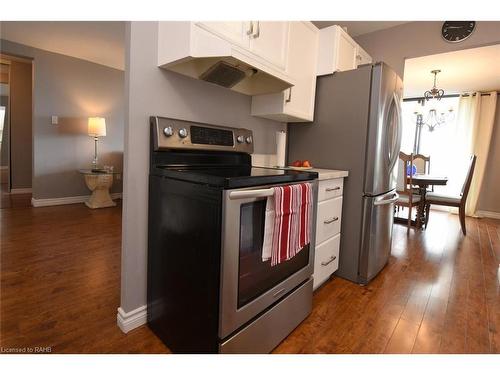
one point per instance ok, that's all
(328, 225)
(326, 260)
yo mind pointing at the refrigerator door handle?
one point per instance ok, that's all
(397, 145)
(387, 201)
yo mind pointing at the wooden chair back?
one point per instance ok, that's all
(403, 184)
(468, 179)
(423, 163)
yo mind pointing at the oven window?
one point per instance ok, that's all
(256, 276)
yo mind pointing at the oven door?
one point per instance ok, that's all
(249, 285)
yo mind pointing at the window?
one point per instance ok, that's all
(447, 145)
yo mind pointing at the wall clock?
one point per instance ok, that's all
(456, 31)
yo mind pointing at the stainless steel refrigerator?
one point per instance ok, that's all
(357, 127)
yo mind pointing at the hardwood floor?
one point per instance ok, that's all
(440, 292)
(8, 200)
(60, 282)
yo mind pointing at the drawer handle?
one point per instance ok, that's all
(332, 220)
(333, 189)
(278, 292)
(326, 263)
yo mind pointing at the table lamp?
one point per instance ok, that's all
(96, 129)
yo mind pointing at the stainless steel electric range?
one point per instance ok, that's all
(208, 289)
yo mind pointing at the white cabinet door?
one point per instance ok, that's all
(326, 260)
(297, 103)
(362, 57)
(346, 52)
(270, 41)
(303, 52)
(233, 31)
(337, 51)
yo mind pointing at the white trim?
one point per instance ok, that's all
(65, 200)
(489, 214)
(21, 191)
(131, 320)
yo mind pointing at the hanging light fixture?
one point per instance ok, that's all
(435, 117)
(434, 93)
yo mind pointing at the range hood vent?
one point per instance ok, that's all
(224, 74)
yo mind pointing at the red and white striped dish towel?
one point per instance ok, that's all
(288, 222)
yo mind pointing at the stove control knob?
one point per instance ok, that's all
(240, 139)
(168, 131)
(183, 133)
(249, 139)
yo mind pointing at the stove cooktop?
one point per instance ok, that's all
(234, 177)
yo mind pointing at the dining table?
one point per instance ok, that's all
(423, 181)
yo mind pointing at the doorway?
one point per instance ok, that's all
(16, 141)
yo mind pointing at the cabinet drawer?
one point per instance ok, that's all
(326, 260)
(329, 218)
(330, 189)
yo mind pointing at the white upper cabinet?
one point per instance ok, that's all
(338, 51)
(246, 56)
(269, 40)
(362, 57)
(234, 31)
(295, 104)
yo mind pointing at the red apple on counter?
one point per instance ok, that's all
(297, 163)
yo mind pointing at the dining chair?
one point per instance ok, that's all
(452, 200)
(407, 197)
(423, 164)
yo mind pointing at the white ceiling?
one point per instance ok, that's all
(356, 28)
(99, 42)
(476, 69)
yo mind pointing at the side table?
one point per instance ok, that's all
(99, 184)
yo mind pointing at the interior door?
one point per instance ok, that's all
(384, 132)
(270, 41)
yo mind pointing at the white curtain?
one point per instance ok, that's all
(479, 112)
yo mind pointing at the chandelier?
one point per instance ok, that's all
(435, 117)
(434, 93)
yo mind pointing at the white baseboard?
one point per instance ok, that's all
(65, 200)
(133, 319)
(489, 214)
(21, 191)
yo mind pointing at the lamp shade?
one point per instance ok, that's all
(97, 127)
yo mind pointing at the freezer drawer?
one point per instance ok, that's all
(376, 237)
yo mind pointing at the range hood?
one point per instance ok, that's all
(231, 73)
(190, 49)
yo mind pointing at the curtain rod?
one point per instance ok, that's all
(445, 96)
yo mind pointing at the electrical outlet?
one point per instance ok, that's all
(118, 176)
(55, 120)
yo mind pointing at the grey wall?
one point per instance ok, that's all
(423, 38)
(153, 91)
(74, 90)
(21, 108)
(417, 39)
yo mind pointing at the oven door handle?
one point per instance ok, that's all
(257, 193)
